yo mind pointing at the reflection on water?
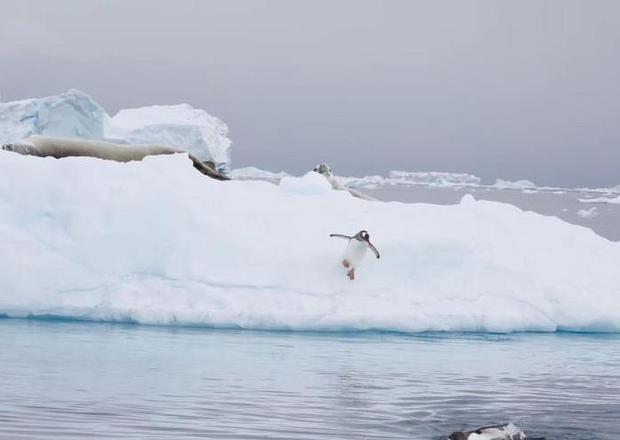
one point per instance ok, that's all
(87, 380)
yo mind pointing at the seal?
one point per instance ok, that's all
(355, 251)
(46, 146)
(326, 172)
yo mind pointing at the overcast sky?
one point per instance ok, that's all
(511, 89)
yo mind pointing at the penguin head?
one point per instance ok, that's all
(364, 234)
(458, 436)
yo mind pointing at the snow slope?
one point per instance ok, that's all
(75, 114)
(155, 242)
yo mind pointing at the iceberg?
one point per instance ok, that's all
(74, 114)
(182, 126)
(152, 242)
(70, 114)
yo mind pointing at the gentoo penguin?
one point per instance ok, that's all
(496, 432)
(355, 251)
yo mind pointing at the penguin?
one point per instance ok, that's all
(495, 432)
(355, 251)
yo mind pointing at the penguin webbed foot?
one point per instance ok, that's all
(351, 274)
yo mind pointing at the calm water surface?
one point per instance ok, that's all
(62, 380)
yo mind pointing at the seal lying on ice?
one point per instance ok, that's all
(44, 146)
(326, 171)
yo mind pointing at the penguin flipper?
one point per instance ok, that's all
(340, 236)
(373, 249)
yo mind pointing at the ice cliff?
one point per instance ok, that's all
(154, 242)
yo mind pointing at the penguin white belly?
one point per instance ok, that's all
(355, 253)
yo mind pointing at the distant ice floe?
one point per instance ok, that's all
(256, 173)
(588, 213)
(433, 179)
(518, 184)
(75, 114)
(154, 242)
(612, 200)
(396, 178)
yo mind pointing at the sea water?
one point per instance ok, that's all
(63, 379)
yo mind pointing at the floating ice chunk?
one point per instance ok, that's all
(588, 213)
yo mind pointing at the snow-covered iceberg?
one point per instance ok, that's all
(70, 114)
(152, 242)
(182, 125)
(75, 114)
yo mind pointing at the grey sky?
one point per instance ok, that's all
(511, 89)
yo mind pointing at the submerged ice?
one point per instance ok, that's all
(154, 242)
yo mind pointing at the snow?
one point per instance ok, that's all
(612, 201)
(155, 242)
(75, 114)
